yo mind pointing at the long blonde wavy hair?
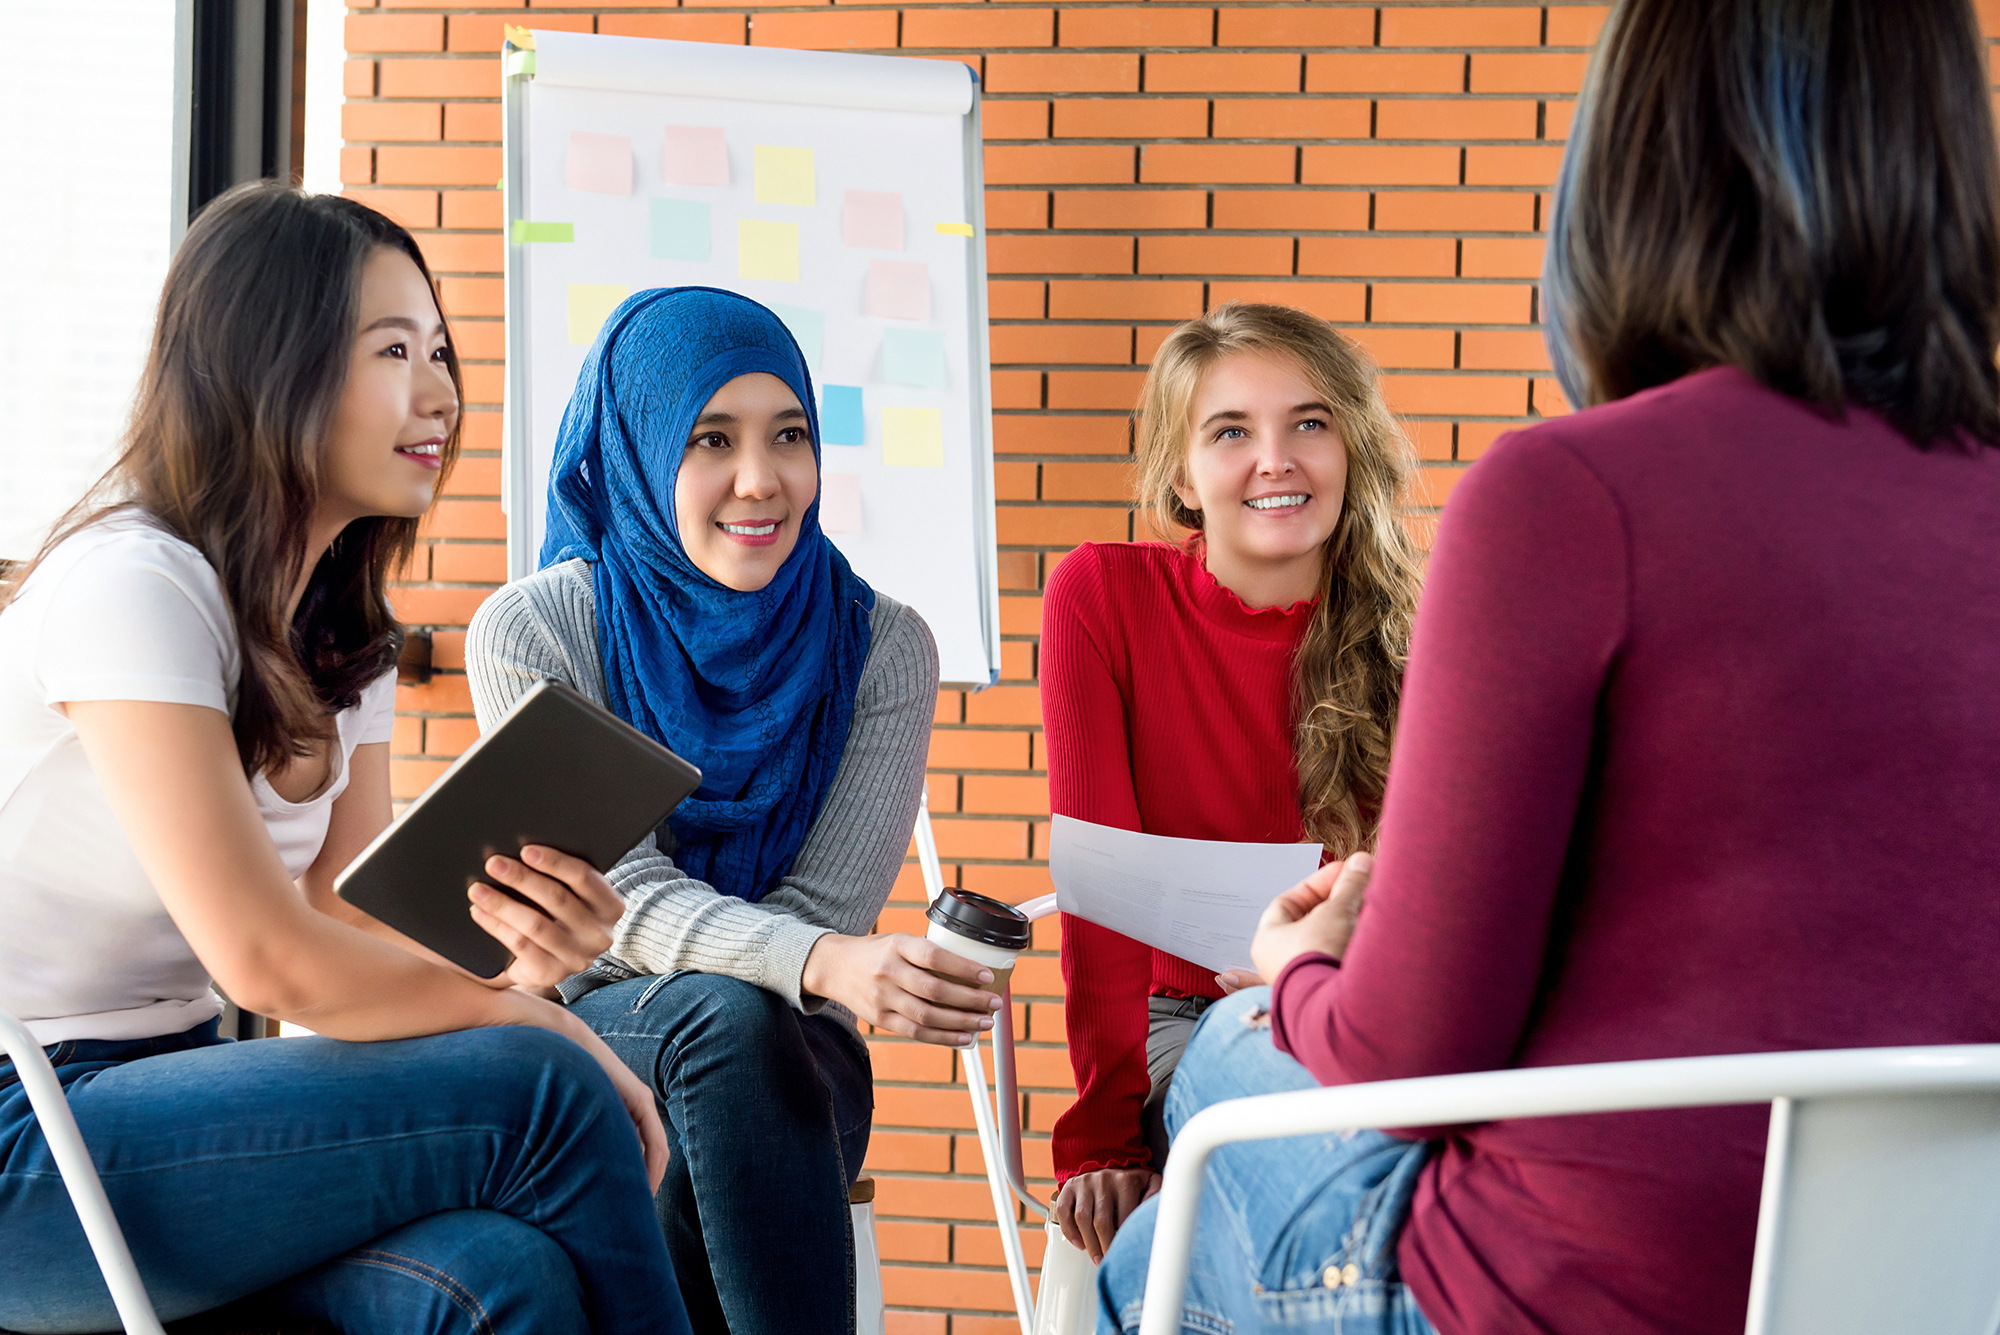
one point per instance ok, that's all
(1347, 678)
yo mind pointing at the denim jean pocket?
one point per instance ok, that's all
(1357, 1288)
(1342, 1234)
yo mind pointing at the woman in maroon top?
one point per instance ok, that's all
(1270, 647)
(1699, 749)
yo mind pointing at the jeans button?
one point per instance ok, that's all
(1350, 1273)
(1333, 1277)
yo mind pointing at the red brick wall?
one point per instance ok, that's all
(1384, 165)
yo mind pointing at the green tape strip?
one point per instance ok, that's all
(520, 62)
(539, 231)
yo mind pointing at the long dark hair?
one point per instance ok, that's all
(225, 449)
(1805, 189)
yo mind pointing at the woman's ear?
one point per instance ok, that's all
(1189, 501)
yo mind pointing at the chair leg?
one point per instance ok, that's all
(867, 1269)
(1068, 1290)
(86, 1193)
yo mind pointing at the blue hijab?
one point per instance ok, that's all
(755, 688)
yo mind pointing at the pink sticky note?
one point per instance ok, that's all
(899, 289)
(600, 163)
(840, 503)
(695, 155)
(872, 220)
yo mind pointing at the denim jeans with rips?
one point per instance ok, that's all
(1297, 1234)
(486, 1182)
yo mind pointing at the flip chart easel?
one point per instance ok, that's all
(842, 191)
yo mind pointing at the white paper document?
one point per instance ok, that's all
(1196, 898)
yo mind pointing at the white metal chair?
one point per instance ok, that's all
(1881, 1199)
(86, 1193)
(1068, 1276)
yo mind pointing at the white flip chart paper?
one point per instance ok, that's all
(1196, 898)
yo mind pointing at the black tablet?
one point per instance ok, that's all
(557, 770)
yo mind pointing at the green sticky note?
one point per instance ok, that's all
(913, 357)
(767, 250)
(784, 175)
(524, 230)
(679, 230)
(590, 304)
(808, 327)
(913, 438)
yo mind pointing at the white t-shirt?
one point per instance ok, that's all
(119, 611)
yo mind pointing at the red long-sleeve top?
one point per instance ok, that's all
(1167, 705)
(1699, 752)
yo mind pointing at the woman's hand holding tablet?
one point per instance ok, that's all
(557, 772)
(556, 921)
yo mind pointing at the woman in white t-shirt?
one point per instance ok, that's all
(197, 683)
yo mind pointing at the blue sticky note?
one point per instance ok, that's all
(680, 230)
(913, 357)
(808, 327)
(840, 415)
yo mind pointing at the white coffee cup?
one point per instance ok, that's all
(979, 929)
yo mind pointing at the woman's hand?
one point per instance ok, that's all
(640, 1106)
(1315, 916)
(1235, 980)
(1092, 1207)
(578, 910)
(887, 980)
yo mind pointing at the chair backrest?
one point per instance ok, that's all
(1880, 1213)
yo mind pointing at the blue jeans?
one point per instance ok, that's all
(1294, 1234)
(768, 1114)
(485, 1182)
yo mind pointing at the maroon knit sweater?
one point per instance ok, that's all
(1168, 709)
(1699, 753)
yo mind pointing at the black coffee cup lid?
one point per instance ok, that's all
(978, 918)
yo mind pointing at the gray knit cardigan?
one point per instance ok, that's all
(545, 626)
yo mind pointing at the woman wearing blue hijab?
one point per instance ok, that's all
(687, 586)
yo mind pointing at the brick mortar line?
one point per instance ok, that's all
(1108, 141)
(477, 10)
(956, 52)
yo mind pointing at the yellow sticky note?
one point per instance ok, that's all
(767, 250)
(784, 175)
(954, 229)
(590, 304)
(913, 437)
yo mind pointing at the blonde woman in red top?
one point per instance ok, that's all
(1241, 685)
